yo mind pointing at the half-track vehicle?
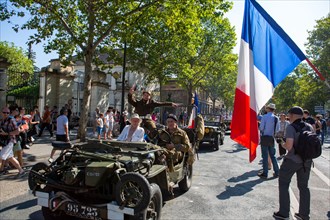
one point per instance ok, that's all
(109, 180)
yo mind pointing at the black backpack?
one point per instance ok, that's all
(309, 145)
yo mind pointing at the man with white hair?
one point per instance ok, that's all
(132, 132)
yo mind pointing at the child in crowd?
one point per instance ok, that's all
(100, 124)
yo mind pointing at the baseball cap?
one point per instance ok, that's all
(296, 110)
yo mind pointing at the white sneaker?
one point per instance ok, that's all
(32, 139)
(50, 160)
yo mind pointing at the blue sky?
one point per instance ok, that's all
(294, 16)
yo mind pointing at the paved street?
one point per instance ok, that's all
(225, 186)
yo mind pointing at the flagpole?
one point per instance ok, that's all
(317, 72)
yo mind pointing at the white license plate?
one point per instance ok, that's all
(82, 211)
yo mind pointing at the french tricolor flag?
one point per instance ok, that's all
(267, 56)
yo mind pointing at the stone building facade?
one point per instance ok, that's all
(60, 85)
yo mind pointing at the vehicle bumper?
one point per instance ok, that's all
(59, 202)
(211, 140)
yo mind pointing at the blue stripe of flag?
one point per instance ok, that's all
(274, 53)
(196, 102)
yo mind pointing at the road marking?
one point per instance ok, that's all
(294, 204)
(321, 175)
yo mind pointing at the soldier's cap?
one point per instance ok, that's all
(147, 91)
(172, 117)
(296, 110)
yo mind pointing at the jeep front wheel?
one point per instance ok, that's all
(217, 142)
(133, 191)
(154, 210)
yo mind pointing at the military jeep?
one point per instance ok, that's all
(109, 180)
(214, 131)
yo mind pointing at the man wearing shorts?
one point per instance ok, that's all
(62, 130)
(8, 132)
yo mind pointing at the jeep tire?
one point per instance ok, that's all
(186, 182)
(32, 180)
(133, 191)
(154, 209)
(217, 142)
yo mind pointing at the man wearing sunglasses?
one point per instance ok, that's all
(8, 131)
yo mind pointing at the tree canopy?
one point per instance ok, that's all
(92, 26)
(20, 67)
(303, 87)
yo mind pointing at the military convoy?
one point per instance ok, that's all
(109, 180)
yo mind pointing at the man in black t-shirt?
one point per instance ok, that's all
(308, 119)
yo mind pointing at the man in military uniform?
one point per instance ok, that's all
(175, 141)
(145, 107)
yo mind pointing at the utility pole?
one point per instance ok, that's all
(123, 82)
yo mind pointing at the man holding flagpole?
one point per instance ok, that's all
(267, 55)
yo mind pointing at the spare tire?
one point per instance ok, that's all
(33, 180)
(133, 191)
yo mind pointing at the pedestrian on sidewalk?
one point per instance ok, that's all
(309, 119)
(293, 164)
(62, 130)
(34, 124)
(324, 129)
(23, 128)
(100, 125)
(8, 132)
(46, 122)
(267, 130)
(95, 116)
(280, 131)
(17, 148)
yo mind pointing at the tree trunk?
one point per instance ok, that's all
(87, 95)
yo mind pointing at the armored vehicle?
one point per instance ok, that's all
(214, 131)
(109, 180)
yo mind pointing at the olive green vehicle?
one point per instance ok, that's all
(109, 180)
(214, 131)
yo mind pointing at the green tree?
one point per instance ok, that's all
(20, 68)
(166, 47)
(318, 46)
(87, 27)
(221, 84)
(303, 87)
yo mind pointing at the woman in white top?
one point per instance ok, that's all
(110, 123)
(133, 132)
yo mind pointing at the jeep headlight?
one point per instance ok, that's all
(211, 130)
(151, 157)
(207, 130)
